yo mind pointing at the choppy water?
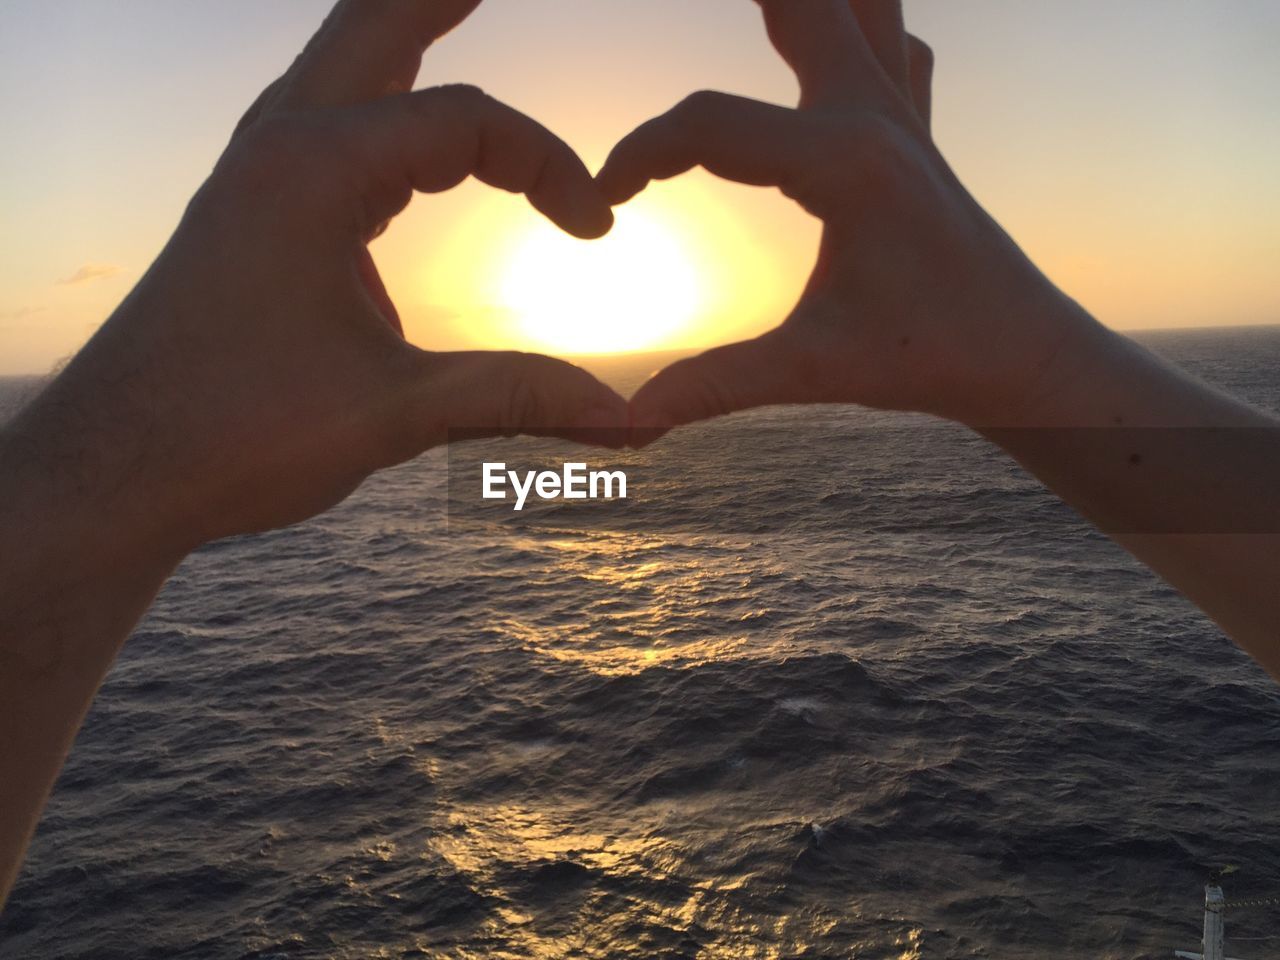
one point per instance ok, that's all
(914, 712)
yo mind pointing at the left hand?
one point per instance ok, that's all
(258, 374)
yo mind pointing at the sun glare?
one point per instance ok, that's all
(630, 291)
(687, 266)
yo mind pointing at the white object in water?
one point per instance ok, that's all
(1215, 933)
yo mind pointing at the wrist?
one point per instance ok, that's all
(1059, 356)
(73, 583)
(1019, 346)
(78, 468)
(1083, 375)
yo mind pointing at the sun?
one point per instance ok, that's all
(630, 291)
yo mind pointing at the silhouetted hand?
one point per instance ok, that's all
(919, 301)
(258, 374)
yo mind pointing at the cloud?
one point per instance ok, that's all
(89, 273)
(435, 313)
(20, 313)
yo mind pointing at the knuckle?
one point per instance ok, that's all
(285, 162)
(464, 94)
(881, 161)
(699, 104)
(274, 140)
(260, 107)
(410, 17)
(455, 104)
(922, 55)
(271, 152)
(698, 109)
(416, 423)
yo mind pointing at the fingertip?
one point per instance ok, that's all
(613, 184)
(641, 438)
(645, 431)
(590, 212)
(617, 195)
(649, 420)
(612, 194)
(594, 220)
(587, 218)
(607, 410)
(603, 422)
(575, 203)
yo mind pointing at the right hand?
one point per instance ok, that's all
(919, 301)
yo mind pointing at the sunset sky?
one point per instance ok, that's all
(1129, 146)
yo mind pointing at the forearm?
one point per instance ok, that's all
(77, 572)
(1181, 475)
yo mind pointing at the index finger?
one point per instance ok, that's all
(369, 48)
(822, 43)
(735, 138)
(883, 26)
(432, 140)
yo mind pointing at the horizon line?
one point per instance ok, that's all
(57, 366)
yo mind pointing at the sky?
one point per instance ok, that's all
(1128, 146)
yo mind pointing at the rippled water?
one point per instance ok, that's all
(898, 706)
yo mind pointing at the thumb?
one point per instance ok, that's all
(741, 376)
(477, 395)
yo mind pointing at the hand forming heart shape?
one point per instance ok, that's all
(919, 301)
(256, 376)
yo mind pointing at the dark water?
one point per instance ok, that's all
(914, 712)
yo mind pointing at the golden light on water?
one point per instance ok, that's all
(630, 291)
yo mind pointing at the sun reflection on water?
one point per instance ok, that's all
(641, 609)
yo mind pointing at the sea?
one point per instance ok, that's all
(838, 684)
